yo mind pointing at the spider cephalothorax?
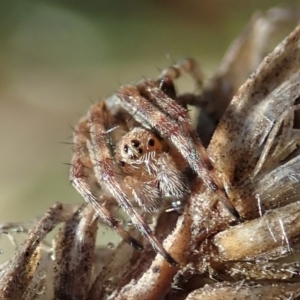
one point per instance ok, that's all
(134, 145)
(153, 172)
(152, 156)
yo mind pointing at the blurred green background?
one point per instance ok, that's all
(58, 56)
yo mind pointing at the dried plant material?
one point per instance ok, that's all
(79, 234)
(244, 55)
(243, 291)
(262, 269)
(16, 280)
(276, 228)
(250, 169)
(270, 91)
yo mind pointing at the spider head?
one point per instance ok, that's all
(135, 144)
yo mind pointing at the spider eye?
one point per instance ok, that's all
(126, 148)
(122, 163)
(135, 143)
(151, 142)
(140, 150)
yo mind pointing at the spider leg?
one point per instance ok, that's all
(168, 75)
(174, 125)
(187, 65)
(78, 180)
(104, 171)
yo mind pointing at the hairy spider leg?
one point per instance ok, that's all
(78, 180)
(104, 171)
(155, 92)
(168, 75)
(187, 65)
(174, 124)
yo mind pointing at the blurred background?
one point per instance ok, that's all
(59, 56)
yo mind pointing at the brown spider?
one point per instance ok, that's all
(149, 162)
(255, 146)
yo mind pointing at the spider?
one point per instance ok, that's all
(259, 137)
(137, 146)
